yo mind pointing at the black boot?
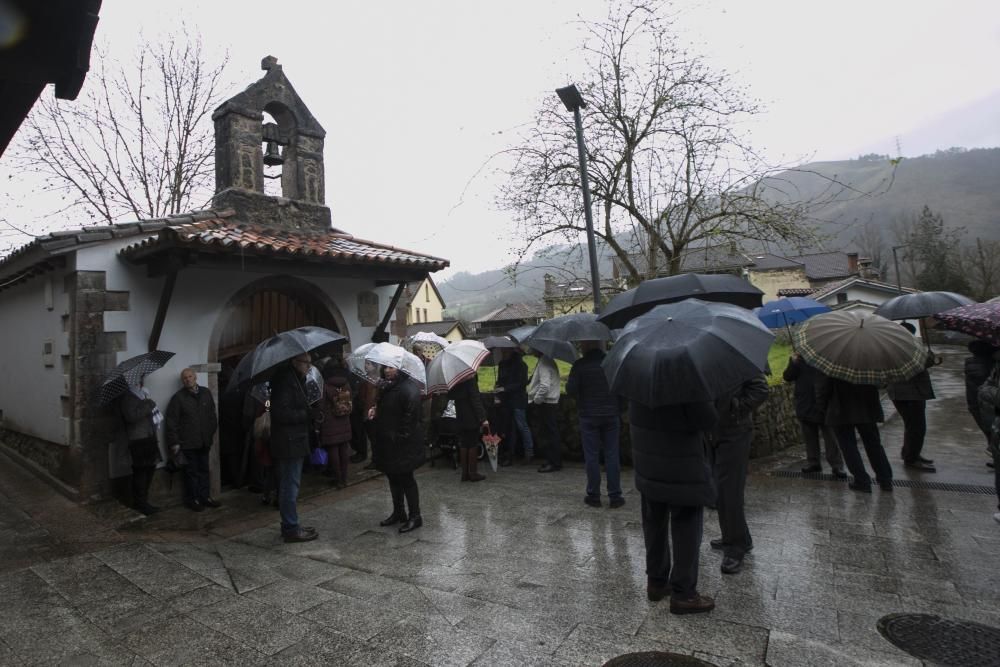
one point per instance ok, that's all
(412, 524)
(397, 516)
(398, 508)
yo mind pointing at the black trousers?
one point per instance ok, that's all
(730, 464)
(403, 486)
(359, 434)
(873, 448)
(660, 523)
(548, 414)
(914, 415)
(196, 475)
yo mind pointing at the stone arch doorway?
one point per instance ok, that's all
(253, 314)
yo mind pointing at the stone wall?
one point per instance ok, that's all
(775, 425)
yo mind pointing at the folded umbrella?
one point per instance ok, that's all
(387, 354)
(723, 287)
(789, 310)
(920, 304)
(981, 320)
(130, 372)
(859, 347)
(573, 327)
(687, 352)
(456, 363)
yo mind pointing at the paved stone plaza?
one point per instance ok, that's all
(512, 571)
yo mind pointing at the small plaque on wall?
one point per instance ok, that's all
(368, 309)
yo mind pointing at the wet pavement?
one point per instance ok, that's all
(515, 570)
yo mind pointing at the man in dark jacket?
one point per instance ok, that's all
(190, 427)
(598, 411)
(730, 448)
(851, 408)
(675, 482)
(398, 448)
(511, 388)
(291, 421)
(812, 420)
(910, 399)
(978, 367)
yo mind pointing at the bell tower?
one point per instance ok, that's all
(245, 144)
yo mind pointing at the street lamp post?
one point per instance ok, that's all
(895, 261)
(573, 100)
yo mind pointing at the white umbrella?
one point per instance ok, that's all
(456, 363)
(387, 354)
(356, 363)
(425, 343)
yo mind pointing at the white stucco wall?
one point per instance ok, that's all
(30, 391)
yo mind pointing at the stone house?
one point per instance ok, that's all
(510, 316)
(207, 286)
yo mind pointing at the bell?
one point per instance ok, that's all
(272, 158)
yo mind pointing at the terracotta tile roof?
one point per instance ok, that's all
(225, 236)
(825, 265)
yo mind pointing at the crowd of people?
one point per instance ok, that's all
(686, 457)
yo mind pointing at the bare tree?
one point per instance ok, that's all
(138, 143)
(982, 261)
(671, 169)
(904, 233)
(872, 245)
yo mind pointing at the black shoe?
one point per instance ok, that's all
(886, 486)
(211, 502)
(731, 564)
(549, 468)
(719, 545)
(696, 604)
(195, 506)
(301, 535)
(656, 593)
(413, 523)
(927, 461)
(357, 458)
(809, 470)
(615, 503)
(593, 502)
(919, 465)
(146, 508)
(860, 486)
(393, 519)
(840, 474)
(990, 464)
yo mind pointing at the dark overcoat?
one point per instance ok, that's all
(399, 437)
(917, 388)
(335, 429)
(668, 452)
(804, 376)
(845, 404)
(290, 416)
(469, 411)
(191, 419)
(512, 375)
(588, 384)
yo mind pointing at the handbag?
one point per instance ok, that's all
(318, 457)
(262, 424)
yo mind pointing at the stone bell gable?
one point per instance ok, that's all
(294, 142)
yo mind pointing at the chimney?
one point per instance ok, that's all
(852, 263)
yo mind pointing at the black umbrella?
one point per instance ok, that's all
(278, 349)
(494, 342)
(723, 287)
(130, 372)
(523, 333)
(556, 349)
(921, 304)
(573, 327)
(687, 352)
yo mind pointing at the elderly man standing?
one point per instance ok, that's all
(291, 420)
(191, 422)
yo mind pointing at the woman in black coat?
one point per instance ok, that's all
(399, 445)
(675, 481)
(851, 408)
(471, 417)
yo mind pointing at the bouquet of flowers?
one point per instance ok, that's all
(491, 442)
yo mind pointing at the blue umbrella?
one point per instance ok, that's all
(790, 310)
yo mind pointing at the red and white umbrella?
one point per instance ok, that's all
(456, 363)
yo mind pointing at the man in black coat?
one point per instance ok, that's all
(598, 411)
(190, 426)
(511, 389)
(398, 448)
(291, 421)
(851, 408)
(730, 448)
(812, 420)
(675, 481)
(910, 400)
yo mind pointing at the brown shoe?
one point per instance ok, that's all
(696, 604)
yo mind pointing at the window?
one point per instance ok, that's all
(842, 297)
(425, 314)
(427, 292)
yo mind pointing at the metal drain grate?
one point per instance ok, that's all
(898, 483)
(656, 659)
(943, 641)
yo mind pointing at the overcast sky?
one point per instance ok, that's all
(415, 96)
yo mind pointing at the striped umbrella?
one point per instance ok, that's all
(456, 363)
(859, 347)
